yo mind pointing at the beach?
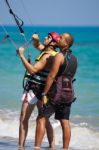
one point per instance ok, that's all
(85, 111)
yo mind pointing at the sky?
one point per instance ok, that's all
(52, 12)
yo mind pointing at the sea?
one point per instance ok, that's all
(84, 116)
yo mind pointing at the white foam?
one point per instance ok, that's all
(9, 124)
(56, 124)
(84, 138)
(11, 129)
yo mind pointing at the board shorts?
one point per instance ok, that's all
(32, 92)
(61, 111)
(29, 96)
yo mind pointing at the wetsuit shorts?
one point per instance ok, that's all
(61, 111)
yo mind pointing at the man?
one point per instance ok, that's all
(60, 64)
(38, 73)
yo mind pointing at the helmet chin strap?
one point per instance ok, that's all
(49, 44)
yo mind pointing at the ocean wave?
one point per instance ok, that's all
(84, 138)
(84, 135)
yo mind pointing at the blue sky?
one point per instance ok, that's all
(53, 12)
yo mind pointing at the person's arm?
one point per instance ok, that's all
(32, 69)
(58, 61)
(37, 43)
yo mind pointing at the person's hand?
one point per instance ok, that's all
(21, 51)
(44, 100)
(35, 37)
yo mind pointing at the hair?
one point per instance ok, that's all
(69, 39)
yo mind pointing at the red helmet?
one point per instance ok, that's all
(55, 36)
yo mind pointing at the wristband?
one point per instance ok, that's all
(43, 94)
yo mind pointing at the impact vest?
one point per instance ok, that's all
(41, 76)
(37, 81)
(62, 90)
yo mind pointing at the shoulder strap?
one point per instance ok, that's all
(53, 53)
(41, 54)
(71, 65)
(66, 55)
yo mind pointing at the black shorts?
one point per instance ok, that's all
(61, 111)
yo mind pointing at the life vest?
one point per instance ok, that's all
(41, 76)
(62, 90)
(37, 81)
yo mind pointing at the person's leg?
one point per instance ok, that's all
(26, 111)
(42, 123)
(62, 113)
(50, 134)
(66, 129)
(40, 131)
